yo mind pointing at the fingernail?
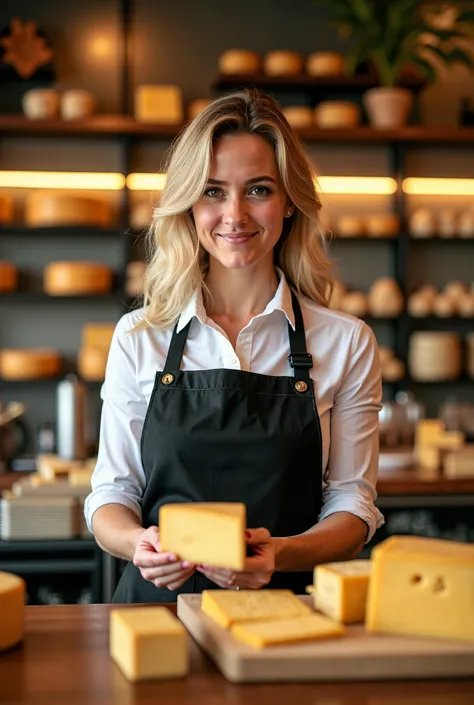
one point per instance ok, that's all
(248, 534)
(185, 564)
(172, 557)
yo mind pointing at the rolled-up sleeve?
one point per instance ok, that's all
(354, 446)
(118, 477)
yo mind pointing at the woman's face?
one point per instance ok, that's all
(239, 218)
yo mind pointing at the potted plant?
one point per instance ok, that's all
(396, 36)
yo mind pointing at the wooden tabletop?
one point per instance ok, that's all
(64, 660)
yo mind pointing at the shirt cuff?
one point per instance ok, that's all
(357, 505)
(101, 498)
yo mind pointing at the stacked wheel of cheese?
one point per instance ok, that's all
(45, 208)
(18, 364)
(456, 299)
(92, 357)
(77, 278)
(12, 610)
(384, 300)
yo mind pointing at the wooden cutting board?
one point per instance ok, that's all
(356, 656)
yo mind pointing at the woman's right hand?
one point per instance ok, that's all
(160, 568)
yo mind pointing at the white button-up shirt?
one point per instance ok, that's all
(345, 374)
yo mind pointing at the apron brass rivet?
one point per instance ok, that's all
(167, 379)
(301, 386)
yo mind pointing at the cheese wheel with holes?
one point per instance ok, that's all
(12, 610)
(50, 209)
(282, 63)
(8, 276)
(29, 363)
(6, 208)
(76, 278)
(91, 363)
(239, 61)
(325, 63)
(299, 116)
(332, 114)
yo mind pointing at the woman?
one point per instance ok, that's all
(236, 382)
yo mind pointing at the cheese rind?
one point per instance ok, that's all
(12, 610)
(229, 607)
(76, 278)
(212, 533)
(148, 642)
(422, 586)
(286, 631)
(341, 589)
(29, 364)
(49, 208)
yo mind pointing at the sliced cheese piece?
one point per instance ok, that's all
(29, 364)
(50, 208)
(340, 589)
(76, 278)
(159, 103)
(91, 363)
(228, 607)
(422, 586)
(148, 642)
(8, 276)
(212, 533)
(12, 610)
(287, 631)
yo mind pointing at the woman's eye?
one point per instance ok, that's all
(260, 191)
(213, 192)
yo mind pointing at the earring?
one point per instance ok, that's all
(289, 211)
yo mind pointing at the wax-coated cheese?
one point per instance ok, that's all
(159, 103)
(51, 208)
(286, 631)
(12, 610)
(76, 278)
(148, 642)
(340, 589)
(282, 63)
(228, 607)
(8, 276)
(239, 61)
(29, 364)
(332, 114)
(212, 533)
(422, 586)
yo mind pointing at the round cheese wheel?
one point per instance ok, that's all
(41, 104)
(419, 305)
(355, 303)
(393, 370)
(385, 298)
(6, 208)
(444, 306)
(350, 226)
(454, 290)
(465, 305)
(434, 356)
(282, 63)
(77, 104)
(91, 363)
(50, 208)
(8, 276)
(429, 291)
(29, 364)
(299, 116)
(447, 223)
(332, 114)
(197, 106)
(422, 223)
(385, 354)
(239, 61)
(76, 278)
(12, 610)
(325, 63)
(466, 224)
(382, 225)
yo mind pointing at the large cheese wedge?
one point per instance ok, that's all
(76, 278)
(340, 589)
(8, 276)
(159, 103)
(52, 208)
(229, 607)
(287, 631)
(422, 586)
(212, 533)
(148, 642)
(6, 208)
(12, 610)
(29, 364)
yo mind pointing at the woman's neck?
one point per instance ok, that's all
(239, 294)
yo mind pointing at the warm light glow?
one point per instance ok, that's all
(146, 182)
(367, 185)
(438, 187)
(63, 180)
(101, 47)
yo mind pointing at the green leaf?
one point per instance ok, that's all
(458, 56)
(425, 67)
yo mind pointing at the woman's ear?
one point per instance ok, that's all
(289, 210)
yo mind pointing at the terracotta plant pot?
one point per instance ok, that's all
(388, 108)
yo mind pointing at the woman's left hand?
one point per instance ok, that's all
(258, 569)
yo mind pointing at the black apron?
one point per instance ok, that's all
(232, 436)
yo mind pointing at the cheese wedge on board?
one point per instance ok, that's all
(422, 586)
(12, 610)
(286, 631)
(340, 589)
(229, 607)
(148, 642)
(211, 533)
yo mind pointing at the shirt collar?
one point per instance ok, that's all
(280, 302)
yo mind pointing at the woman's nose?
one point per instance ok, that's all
(235, 213)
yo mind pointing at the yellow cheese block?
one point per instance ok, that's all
(460, 463)
(287, 631)
(341, 589)
(6, 208)
(229, 607)
(159, 103)
(239, 61)
(212, 533)
(282, 63)
(29, 364)
(76, 278)
(51, 208)
(428, 431)
(422, 586)
(97, 335)
(80, 477)
(91, 363)
(148, 642)
(8, 276)
(335, 114)
(12, 610)
(51, 467)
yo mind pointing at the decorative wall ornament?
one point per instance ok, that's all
(25, 48)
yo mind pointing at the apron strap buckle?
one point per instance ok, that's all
(300, 360)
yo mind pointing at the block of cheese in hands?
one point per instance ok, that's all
(148, 642)
(340, 589)
(12, 610)
(211, 533)
(422, 586)
(287, 631)
(229, 607)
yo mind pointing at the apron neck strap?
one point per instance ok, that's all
(176, 348)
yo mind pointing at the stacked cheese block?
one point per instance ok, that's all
(35, 363)
(77, 278)
(12, 610)
(92, 357)
(436, 449)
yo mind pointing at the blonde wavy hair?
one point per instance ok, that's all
(177, 262)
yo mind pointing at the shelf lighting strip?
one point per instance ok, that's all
(111, 181)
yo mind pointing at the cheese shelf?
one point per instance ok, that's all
(62, 231)
(41, 296)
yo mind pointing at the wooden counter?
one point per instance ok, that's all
(64, 660)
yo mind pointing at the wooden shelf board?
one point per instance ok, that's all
(305, 82)
(61, 231)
